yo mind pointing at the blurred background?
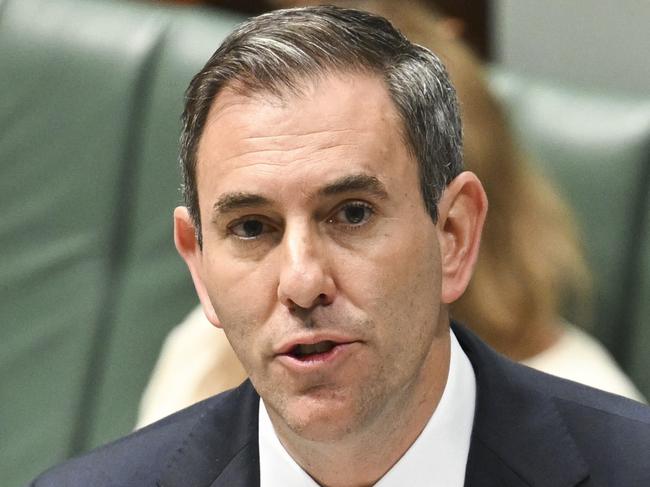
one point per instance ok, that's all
(90, 99)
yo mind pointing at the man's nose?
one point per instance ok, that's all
(305, 277)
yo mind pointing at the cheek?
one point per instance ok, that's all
(399, 289)
(395, 273)
(241, 310)
(241, 292)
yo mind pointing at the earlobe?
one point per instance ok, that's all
(461, 215)
(189, 249)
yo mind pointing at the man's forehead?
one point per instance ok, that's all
(260, 144)
(299, 90)
(358, 105)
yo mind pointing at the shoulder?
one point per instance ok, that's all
(572, 396)
(498, 373)
(611, 432)
(525, 414)
(143, 457)
(579, 357)
(579, 403)
(591, 413)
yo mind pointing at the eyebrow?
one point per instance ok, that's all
(231, 202)
(356, 182)
(234, 201)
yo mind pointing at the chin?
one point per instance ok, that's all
(324, 417)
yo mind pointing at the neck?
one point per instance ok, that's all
(363, 457)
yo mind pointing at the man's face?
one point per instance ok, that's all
(319, 259)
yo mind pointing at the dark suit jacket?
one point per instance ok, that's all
(530, 429)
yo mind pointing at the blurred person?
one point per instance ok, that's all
(529, 260)
(328, 225)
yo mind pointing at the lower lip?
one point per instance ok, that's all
(318, 361)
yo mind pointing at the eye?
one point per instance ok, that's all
(354, 214)
(249, 229)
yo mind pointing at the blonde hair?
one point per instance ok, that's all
(530, 256)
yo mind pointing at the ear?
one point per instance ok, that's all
(188, 246)
(461, 215)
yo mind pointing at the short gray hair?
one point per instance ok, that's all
(274, 52)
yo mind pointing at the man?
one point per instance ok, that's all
(328, 226)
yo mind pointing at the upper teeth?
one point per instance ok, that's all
(320, 347)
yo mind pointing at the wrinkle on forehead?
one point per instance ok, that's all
(298, 134)
(285, 147)
(288, 152)
(273, 139)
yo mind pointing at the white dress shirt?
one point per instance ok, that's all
(437, 458)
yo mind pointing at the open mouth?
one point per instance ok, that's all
(312, 351)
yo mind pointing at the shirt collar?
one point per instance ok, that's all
(438, 456)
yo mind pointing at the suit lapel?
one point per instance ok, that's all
(519, 438)
(221, 450)
(243, 470)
